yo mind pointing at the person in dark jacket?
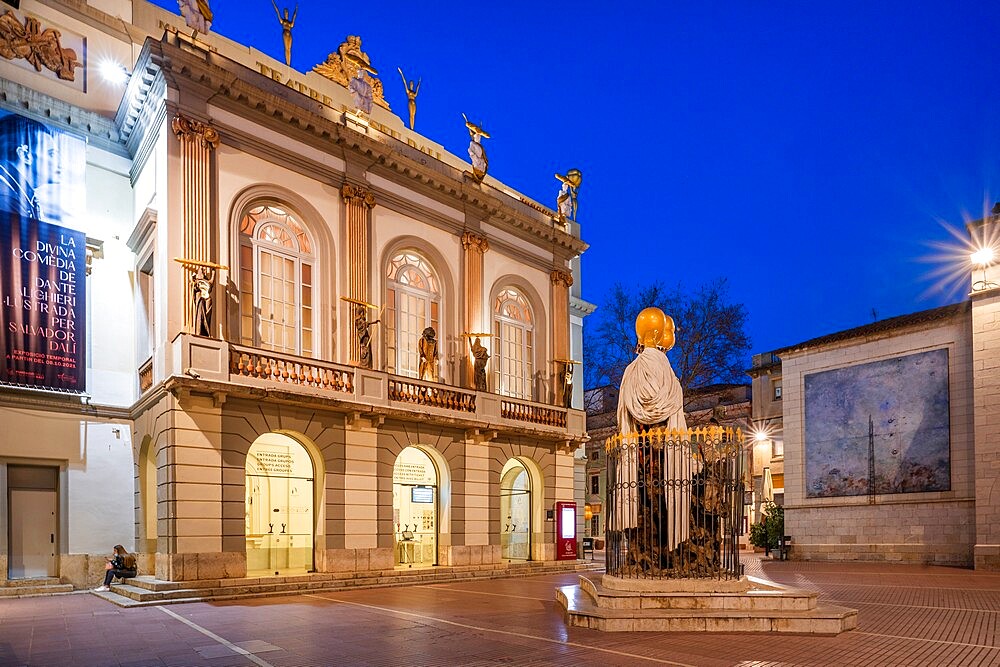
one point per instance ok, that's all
(122, 564)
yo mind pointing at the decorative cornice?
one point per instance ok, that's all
(357, 195)
(249, 94)
(472, 240)
(194, 130)
(559, 277)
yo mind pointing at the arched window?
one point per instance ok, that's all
(513, 343)
(277, 293)
(413, 302)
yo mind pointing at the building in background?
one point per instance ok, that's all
(767, 435)
(270, 330)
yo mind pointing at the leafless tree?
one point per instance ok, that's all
(712, 343)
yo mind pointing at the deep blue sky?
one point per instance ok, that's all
(808, 152)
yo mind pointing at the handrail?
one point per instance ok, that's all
(290, 369)
(407, 390)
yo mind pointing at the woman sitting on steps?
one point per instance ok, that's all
(122, 565)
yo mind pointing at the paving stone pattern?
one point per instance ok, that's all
(909, 615)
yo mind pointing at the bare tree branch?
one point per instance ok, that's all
(712, 344)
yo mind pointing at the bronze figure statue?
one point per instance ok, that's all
(481, 356)
(286, 29)
(411, 95)
(202, 282)
(567, 384)
(362, 329)
(428, 347)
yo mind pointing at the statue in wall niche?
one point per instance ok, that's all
(286, 29)
(566, 201)
(480, 357)
(428, 347)
(477, 154)
(202, 283)
(362, 329)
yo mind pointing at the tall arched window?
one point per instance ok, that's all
(277, 293)
(513, 343)
(413, 302)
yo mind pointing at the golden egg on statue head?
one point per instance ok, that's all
(654, 328)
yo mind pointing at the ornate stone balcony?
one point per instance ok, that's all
(215, 366)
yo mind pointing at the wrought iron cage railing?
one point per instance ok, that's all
(675, 503)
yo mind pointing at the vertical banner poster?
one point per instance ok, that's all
(42, 262)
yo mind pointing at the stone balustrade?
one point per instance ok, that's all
(373, 391)
(532, 413)
(266, 365)
(430, 394)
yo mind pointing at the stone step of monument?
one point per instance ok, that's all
(582, 611)
(759, 596)
(146, 590)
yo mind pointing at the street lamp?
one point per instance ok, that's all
(983, 258)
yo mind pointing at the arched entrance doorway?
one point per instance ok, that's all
(280, 512)
(515, 511)
(414, 508)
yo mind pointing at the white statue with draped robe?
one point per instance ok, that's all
(651, 396)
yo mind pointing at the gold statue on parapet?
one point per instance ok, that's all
(342, 66)
(411, 95)
(480, 163)
(566, 201)
(286, 29)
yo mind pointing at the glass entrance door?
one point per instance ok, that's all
(279, 507)
(414, 509)
(515, 512)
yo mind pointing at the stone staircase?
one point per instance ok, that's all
(23, 588)
(146, 590)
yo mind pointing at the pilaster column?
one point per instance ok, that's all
(358, 205)
(197, 142)
(561, 282)
(475, 246)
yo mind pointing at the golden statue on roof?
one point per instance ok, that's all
(343, 64)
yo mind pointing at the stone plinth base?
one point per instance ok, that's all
(748, 604)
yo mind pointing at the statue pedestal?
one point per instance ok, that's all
(748, 604)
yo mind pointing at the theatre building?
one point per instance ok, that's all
(252, 328)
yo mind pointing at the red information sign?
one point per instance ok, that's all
(565, 531)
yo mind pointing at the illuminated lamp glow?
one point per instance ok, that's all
(113, 72)
(983, 256)
(760, 436)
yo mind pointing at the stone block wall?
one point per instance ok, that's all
(926, 527)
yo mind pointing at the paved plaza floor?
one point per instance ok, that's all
(909, 615)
